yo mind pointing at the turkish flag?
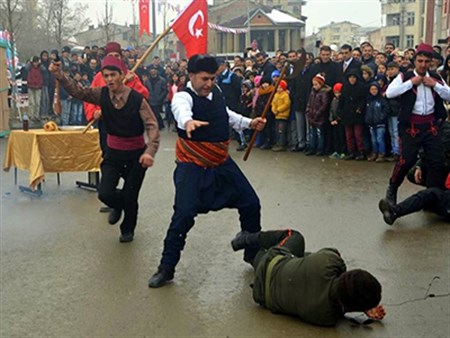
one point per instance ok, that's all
(144, 17)
(191, 27)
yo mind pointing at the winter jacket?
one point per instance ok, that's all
(352, 102)
(158, 90)
(263, 97)
(281, 105)
(230, 84)
(302, 286)
(318, 104)
(35, 78)
(377, 111)
(334, 109)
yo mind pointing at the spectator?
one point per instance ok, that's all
(337, 129)
(35, 81)
(281, 108)
(376, 117)
(158, 90)
(351, 108)
(316, 112)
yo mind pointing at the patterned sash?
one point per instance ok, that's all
(203, 154)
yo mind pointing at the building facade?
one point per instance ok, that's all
(273, 29)
(339, 33)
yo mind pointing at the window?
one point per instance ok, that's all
(393, 20)
(410, 41)
(410, 19)
(394, 39)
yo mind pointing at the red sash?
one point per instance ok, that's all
(203, 154)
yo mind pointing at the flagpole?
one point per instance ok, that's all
(150, 49)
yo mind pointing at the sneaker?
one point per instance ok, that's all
(320, 153)
(380, 159)
(334, 155)
(160, 278)
(310, 152)
(360, 157)
(372, 157)
(342, 156)
(278, 148)
(349, 157)
(266, 147)
(241, 147)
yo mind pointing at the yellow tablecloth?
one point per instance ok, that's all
(40, 152)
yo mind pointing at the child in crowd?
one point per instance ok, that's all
(77, 105)
(85, 80)
(245, 109)
(381, 69)
(66, 100)
(367, 75)
(393, 70)
(337, 129)
(267, 135)
(281, 108)
(316, 112)
(351, 110)
(376, 117)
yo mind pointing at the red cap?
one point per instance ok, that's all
(338, 87)
(113, 47)
(424, 48)
(111, 61)
(283, 84)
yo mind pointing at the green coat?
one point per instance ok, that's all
(305, 287)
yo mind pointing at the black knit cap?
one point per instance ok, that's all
(202, 63)
(358, 290)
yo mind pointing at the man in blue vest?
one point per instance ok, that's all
(206, 178)
(421, 95)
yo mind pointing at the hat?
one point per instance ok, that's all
(202, 63)
(113, 47)
(319, 78)
(424, 49)
(338, 87)
(112, 63)
(66, 49)
(275, 73)
(283, 84)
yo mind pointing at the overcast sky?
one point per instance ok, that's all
(319, 12)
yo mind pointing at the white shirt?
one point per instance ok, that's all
(347, 63)
(424, 104)
(182, 104)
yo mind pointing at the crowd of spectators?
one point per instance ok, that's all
(336, 107)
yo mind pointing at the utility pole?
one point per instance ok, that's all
(248, 39)
(402, 24)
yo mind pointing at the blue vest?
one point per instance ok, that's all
(212, 111)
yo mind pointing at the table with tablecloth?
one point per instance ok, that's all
(39, 152)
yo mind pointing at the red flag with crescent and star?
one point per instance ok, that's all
(144, 17)
(191, 27)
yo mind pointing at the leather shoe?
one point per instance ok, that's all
(125, 238)
(239, 242)
(391, 194)
(114, 216)
(105, 209)
(160, 278)
(387, 210)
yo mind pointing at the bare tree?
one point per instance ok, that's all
(66, 21)
(107, 22)
(10, 18)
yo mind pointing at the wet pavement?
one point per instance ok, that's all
(64, 272)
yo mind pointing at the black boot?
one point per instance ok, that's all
(391, 194)
(161, 277)
(114, 216)
(245, 239)
(388, 211)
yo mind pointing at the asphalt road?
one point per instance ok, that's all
(65, 274)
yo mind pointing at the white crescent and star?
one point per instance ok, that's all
(198, 32)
